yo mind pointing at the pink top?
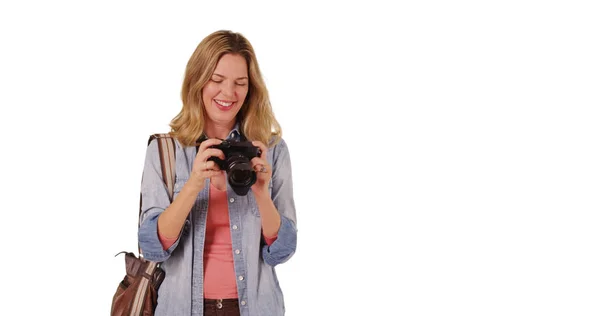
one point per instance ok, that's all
(219, 272)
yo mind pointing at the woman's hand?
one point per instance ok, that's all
(263, 170)
(202, 168)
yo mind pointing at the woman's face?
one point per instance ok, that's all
(225, 92)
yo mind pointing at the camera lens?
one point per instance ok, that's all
(241, 177)
(240, 171)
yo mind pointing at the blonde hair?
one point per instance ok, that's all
(256, 117)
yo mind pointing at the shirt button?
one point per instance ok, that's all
(243, 302)
(237, 251)
(241, 278)
(234, 226)
(231, 200)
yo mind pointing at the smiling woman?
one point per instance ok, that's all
(222, 94)
(217, 242)
(224, 69)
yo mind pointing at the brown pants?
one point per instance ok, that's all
(221, 307)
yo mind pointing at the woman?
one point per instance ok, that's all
(218, 248)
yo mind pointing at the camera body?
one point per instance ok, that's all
(240, 174)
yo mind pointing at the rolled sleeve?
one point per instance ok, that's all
(150, 244)
(284, 247)
(154, 200)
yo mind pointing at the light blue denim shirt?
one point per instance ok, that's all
(181, 292)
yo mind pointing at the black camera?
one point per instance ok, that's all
(237, 164)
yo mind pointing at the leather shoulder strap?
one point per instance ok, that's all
(166, 150)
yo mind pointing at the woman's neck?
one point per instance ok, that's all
(217, 130)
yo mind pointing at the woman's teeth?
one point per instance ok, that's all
(221, 103)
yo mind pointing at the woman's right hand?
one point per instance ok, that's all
(202, 168)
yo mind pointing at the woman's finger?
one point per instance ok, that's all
(211, 165)
(262, 169)
(212, 152)
(211, 173)
(262, 147)
(258, 161)
(207, 143)
(260, 165)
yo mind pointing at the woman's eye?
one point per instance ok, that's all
(217, 81)
(241, 84)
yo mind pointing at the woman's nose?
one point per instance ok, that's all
(228, 90)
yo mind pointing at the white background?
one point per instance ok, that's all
(445, 153)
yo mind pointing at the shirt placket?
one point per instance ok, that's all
(238, 255)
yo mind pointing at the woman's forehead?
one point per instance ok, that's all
(231, 66)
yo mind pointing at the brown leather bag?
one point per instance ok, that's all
(137, 293)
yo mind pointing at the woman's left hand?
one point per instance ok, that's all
(263, 170)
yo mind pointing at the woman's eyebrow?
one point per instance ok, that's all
(240, 78)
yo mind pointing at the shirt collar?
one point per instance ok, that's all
(234, 134)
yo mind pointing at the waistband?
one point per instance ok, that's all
(221, 303)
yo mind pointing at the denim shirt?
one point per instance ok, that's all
(181, 292)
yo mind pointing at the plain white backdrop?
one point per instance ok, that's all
(445, 154)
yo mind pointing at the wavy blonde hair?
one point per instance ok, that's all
(256, 117)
